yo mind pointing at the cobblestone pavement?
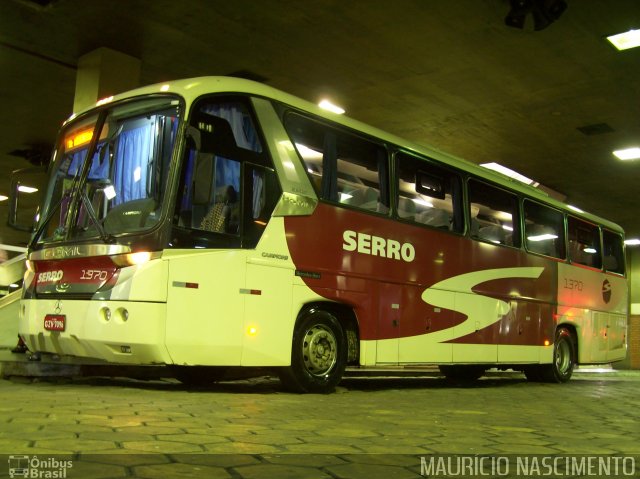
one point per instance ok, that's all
(371, 427)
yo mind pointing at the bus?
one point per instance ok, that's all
(216, 223)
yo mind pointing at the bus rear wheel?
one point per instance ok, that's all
(564, 360)
(318, 354)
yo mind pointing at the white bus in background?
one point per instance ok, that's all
(214, 223)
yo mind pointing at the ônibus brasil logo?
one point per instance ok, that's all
(27, 466)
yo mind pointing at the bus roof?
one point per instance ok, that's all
(192, 88)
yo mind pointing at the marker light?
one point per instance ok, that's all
(327, 105)
(628, 154)
(252, 331)
(546, 342)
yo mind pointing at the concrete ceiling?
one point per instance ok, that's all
(445, 73)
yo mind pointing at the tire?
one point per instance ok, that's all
(318, 354)
(197, 375)
(465, 374)
(564, 360)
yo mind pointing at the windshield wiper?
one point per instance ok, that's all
(43, 224)
(104, 236)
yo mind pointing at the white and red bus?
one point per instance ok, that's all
(214, 222)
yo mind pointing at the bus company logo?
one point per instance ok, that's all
(606, 291)
(50, 276)
(377, 246)
(62, 252)
(33, 467)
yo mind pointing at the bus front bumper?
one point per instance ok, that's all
(123, 332)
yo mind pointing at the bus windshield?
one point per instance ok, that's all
(121, 189)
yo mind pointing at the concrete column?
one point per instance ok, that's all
(102, 73)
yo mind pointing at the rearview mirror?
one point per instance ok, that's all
(27, 187)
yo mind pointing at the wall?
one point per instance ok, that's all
(633, 333)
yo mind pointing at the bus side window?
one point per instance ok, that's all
(494, 214)
(221, 139)
(584, 243)
(544, 230)
(428, 194)
(343, 168)
(613, 252)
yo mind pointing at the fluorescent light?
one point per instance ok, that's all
(509, 172)
(628, 154)
(632, 242)
(27, 189)
(543, 237)
(327, 105)
(590, 250)
(345, 197)
(3, 198)
(626, 40)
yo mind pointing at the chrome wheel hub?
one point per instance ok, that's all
(319, 350)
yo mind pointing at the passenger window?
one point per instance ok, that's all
(222, 174)
(612, 252)
(343, 168)
(584, 243)
(493, 214)
(428, 194)
(544, 230)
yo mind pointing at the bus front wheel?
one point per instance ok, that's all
(318, 355)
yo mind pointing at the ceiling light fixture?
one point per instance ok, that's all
(628, 153)
(632, 242)
(626, 40)
(27, 189)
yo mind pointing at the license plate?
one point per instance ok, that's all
(55, 322)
